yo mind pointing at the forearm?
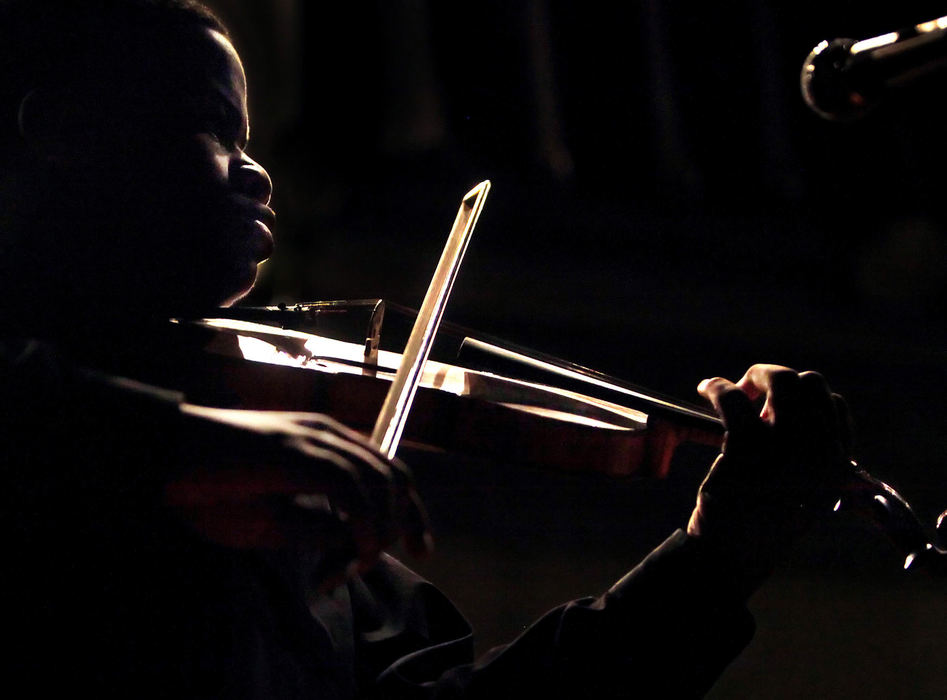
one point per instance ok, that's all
(673, 623)
(70, 429)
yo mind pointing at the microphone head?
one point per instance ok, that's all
(831, 85)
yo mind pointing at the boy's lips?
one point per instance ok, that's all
(265, 215)
(264, 240)
(256, 220)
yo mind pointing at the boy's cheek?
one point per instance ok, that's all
(199, 166)
(190, 159)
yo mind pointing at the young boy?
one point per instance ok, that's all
(156, 547)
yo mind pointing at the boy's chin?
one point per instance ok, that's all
(192, 296)
(241, 283)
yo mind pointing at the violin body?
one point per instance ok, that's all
(232, 363)
(456, 409)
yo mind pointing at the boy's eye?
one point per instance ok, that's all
(221, 137)
(217, 128)
(224, 129)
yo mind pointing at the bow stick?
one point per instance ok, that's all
(394, 411)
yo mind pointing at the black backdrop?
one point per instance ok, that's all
(664, 208)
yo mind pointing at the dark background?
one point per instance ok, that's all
(664, 208)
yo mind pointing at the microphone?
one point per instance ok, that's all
(844, 79)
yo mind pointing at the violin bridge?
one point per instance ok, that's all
(373, 338)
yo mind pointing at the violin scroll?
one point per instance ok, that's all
(883, 506)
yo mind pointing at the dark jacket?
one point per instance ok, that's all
(107, 593)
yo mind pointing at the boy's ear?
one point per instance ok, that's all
(49, 122)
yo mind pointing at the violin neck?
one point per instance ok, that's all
(503, 357)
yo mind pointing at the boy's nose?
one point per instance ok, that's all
(250, 179)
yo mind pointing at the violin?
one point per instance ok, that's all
(467, 405)
(477, 395)
(531, 409)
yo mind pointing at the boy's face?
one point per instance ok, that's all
(166, 210)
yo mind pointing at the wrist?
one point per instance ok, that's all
(746, 541)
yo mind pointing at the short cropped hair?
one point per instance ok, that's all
(45, 42)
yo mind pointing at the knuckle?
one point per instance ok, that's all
(783, 378)
(732, 398)
(814, 381)
(322, 419)
(769, 367)
(715, 384)
(318, 454)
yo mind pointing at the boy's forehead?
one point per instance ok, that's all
(205, 60)
(223, 63)
(202, 63)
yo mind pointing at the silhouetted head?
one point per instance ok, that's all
(124, 180)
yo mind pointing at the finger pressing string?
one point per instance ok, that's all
(780, 388)
(729, 401)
